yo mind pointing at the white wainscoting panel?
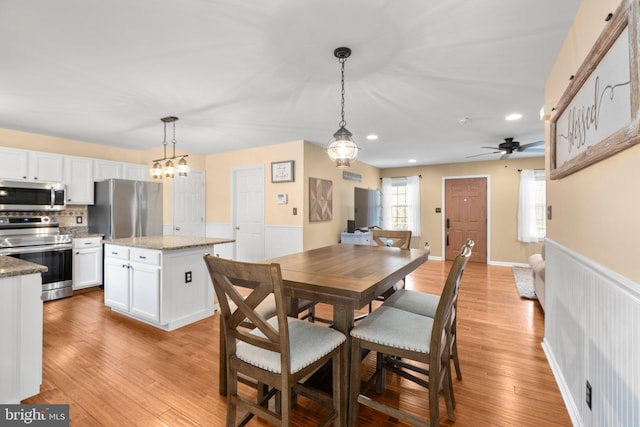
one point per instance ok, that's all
(592, 333)
(282, 240)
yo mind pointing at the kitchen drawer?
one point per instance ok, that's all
(87, 242)
(115, 251)
(145, 256)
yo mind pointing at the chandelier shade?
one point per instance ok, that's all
(341, 148)
(158, 171)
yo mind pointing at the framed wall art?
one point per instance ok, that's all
(598, 114)
(320, 200)
(282, 171)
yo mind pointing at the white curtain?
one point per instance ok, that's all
(413, 196)
(387, 201)
(527, 210)
(413, 202)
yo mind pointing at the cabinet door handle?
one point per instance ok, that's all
(87, 243)
(114, 253)
(142, 257)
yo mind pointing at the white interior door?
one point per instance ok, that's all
(248, 184)
(188, 204)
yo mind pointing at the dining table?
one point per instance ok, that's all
(345, 276)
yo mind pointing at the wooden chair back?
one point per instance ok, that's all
(394, 238)
(265, 281)
(444, 319)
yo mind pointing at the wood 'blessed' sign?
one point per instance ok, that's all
(598, 115)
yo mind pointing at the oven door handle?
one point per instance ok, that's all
(32, 249)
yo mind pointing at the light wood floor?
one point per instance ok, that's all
(115, 372)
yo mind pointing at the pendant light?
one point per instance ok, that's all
(169, 169)
(341, 148)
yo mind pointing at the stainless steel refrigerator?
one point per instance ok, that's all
(126, 208)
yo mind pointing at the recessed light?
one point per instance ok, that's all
(513, 116)
(372, 137)
(412, 160)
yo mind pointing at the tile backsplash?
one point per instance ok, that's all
(72, 220)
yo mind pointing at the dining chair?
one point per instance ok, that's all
(401, 337)
(278, 352)
(425, 304)
(391, 238)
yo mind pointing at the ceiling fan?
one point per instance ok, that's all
(509, 146)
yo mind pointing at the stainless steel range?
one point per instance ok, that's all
(37, 239)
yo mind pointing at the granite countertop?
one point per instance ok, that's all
(164, 243)
(10, 266)
(82, 235)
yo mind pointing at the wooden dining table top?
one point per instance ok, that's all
(346, 273)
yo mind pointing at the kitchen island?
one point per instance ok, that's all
(21, 331)
(159, 280)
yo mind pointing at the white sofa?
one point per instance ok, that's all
(537, 261)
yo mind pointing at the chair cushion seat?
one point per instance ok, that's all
(308, 343)
(395, 328)
(413, 301)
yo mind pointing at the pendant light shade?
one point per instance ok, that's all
(341, 148)
(169, 169)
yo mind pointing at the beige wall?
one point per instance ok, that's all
(318, 165)
(595, 210)
(218, 186)
(503, 204)
(310, 161)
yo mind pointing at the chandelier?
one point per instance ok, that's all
(341, 148)
(168, 170)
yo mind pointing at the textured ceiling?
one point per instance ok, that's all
(241, 74)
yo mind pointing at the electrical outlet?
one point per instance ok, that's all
(588, 395)
(188, 277)
(78, 220)
(295, 211)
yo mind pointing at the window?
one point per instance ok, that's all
(532, 205)
(399, 211)
(401, 204)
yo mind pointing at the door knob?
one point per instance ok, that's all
(177, 228)
(237, 228)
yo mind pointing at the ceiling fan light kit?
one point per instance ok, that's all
(341, 148)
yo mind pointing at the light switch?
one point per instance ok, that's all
(188, 277)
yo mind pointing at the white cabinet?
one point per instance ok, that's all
(135, 171)
(358, 238)
(20, 337)
(87, 262)
(106, 169)
(15, 163)
(132, 281)
(79, 179)
(31, 165)
(46, 166)
(167, 289)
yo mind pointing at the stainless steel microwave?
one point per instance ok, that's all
(32, 196)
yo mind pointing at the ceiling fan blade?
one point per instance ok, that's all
(492, 148)
(530, 145)
(483, 154)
